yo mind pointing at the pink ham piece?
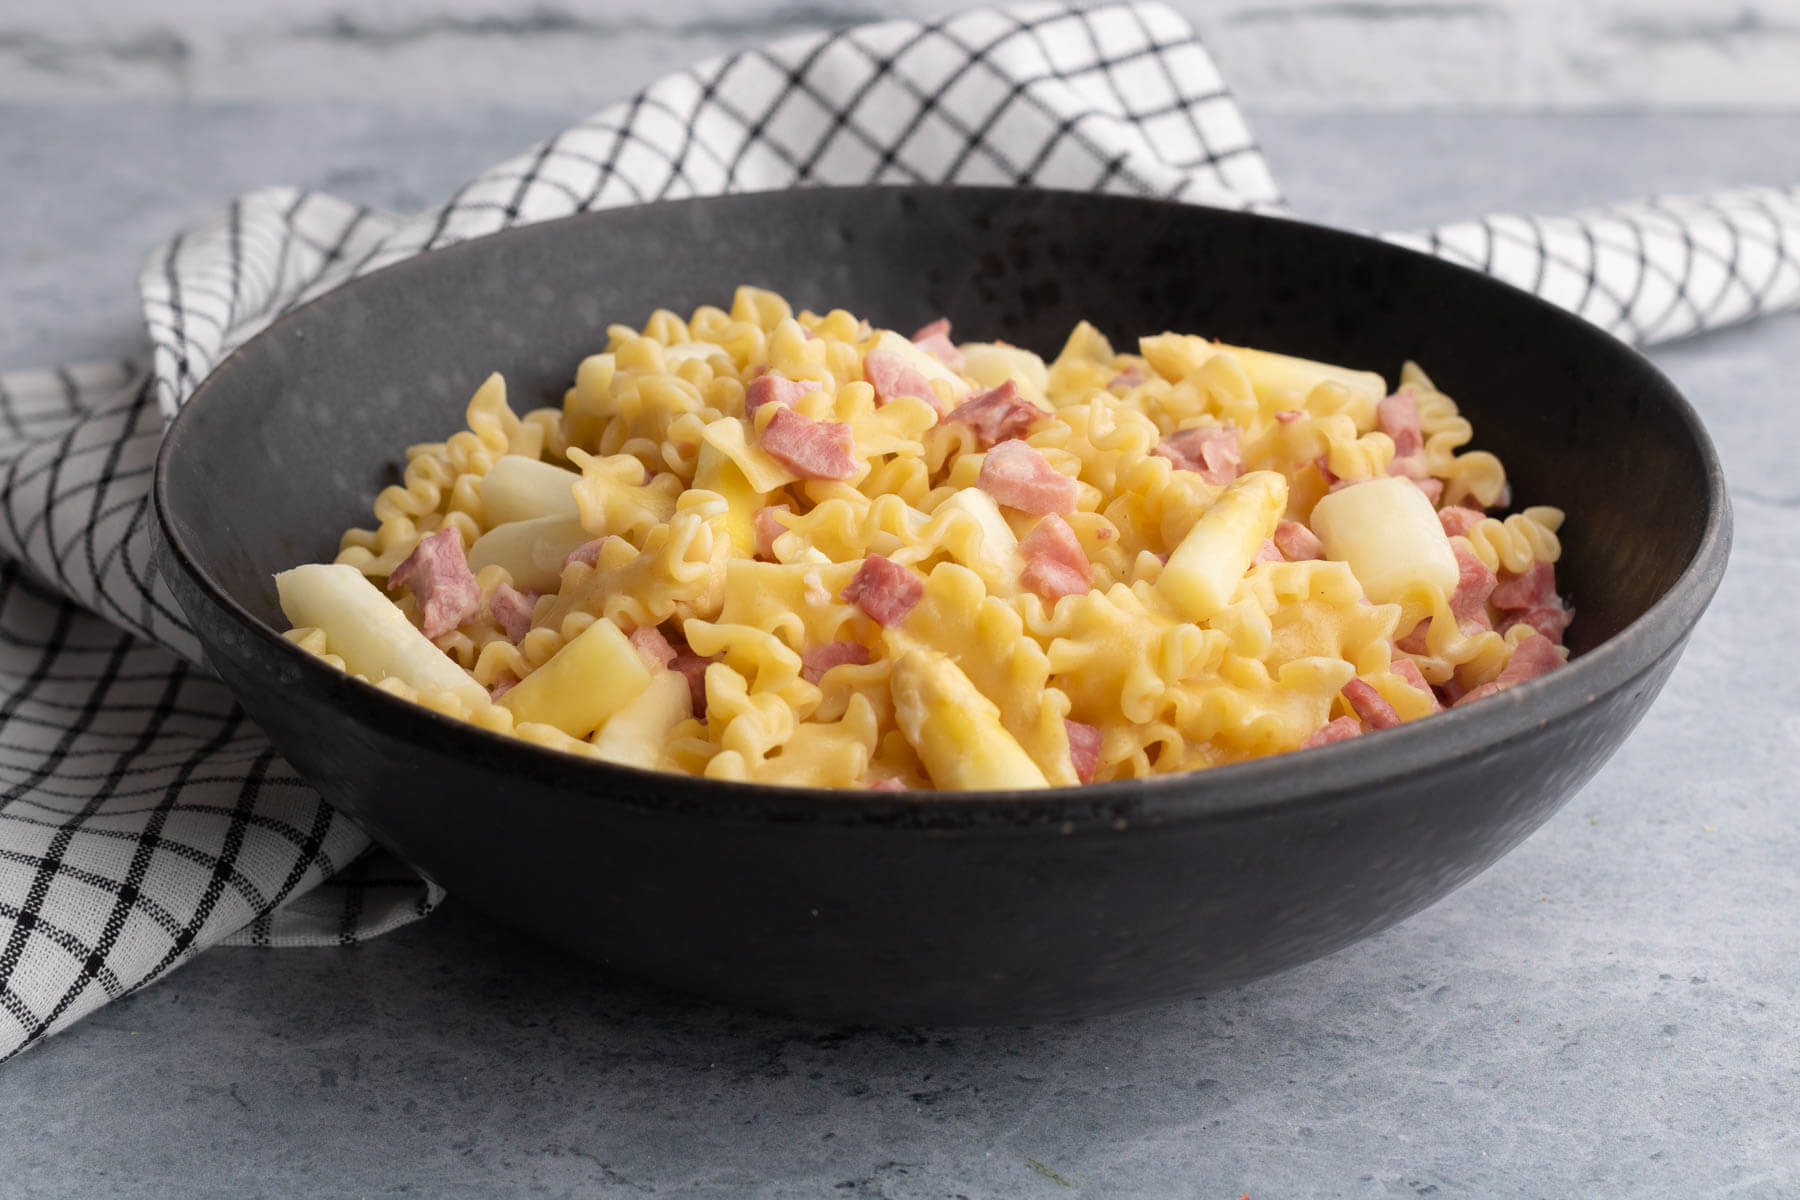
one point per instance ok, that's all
(934, 339)
(1055, 564)
(1551, 622)
(652, 647)
(1268, 552)
(587, 552)
(892, 378)
(1019, 477)
(1211, 453)
(1408, 670)
(816, 660)
(884, 589)
(1534, 656)
(1340, 730)
(1398, 417)
(776, 389)
(437, 572)
(511, 610)
(885, 785)
(505, 685)
(1130, 377)
(1458, 521)
(1288, 416)
(1297, 543)
(1473, 586)
(1369, 704)
(693, 667)
(1084, 749)
(1433, 489)
(1536, 588)
(998, 415)
(810, 449)
(1414, 642)
(767, 528)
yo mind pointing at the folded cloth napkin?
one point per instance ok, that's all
(144, 819)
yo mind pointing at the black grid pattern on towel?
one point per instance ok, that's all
(142, 819)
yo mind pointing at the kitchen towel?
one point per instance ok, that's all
(142, 818)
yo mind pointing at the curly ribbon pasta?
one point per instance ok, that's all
(656, 500)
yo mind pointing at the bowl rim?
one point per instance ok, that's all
(1243, 790)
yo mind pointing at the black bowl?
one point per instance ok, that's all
(941, 908)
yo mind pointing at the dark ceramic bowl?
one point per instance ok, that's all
(941, 908)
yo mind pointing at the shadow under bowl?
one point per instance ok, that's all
(941, 908)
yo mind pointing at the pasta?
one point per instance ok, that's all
(793, 548)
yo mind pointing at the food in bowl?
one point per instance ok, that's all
(793, 548)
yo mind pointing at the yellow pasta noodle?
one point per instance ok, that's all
(795, 548)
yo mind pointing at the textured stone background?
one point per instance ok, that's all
(1295, 55)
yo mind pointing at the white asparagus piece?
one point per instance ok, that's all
(517, 488)
(531, 551)
(999, 548)
(1175, 356)
(637, 735)
(1205, 569)
(1389, 535)
(956, 730)
(368, 631)
(596, 674)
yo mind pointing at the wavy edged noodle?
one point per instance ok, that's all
(834, 613)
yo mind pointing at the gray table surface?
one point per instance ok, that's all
(1612, 1010)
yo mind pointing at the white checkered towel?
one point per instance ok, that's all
(143, 819)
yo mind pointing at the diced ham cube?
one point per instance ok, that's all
(1534, 656)
(652, 647)
(1433, 489)
(1536, 588)
(693, 667)
(1369, 704)
(1130, 377)
(1017, 476)
(1297, 543)
(1340, 730)
(884, 589)
(587, 552)
(1408, 670)
(934, 339)
(437, 573)
(1458, 521)
(892, 377)
(816, 660)
(511, 610)
(1084, 749)
(1288, 416)
(810, 449)
(768, 528)
(504, 685)
(771, 388)
(1551, 622)
(1055, 564)
(1398, 417)
(998, 415)
(885, 785)
(1414, 642)
(1473, 586)
(1212, 453)
(1268, 552)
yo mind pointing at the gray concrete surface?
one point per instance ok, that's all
(1612, 1010)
